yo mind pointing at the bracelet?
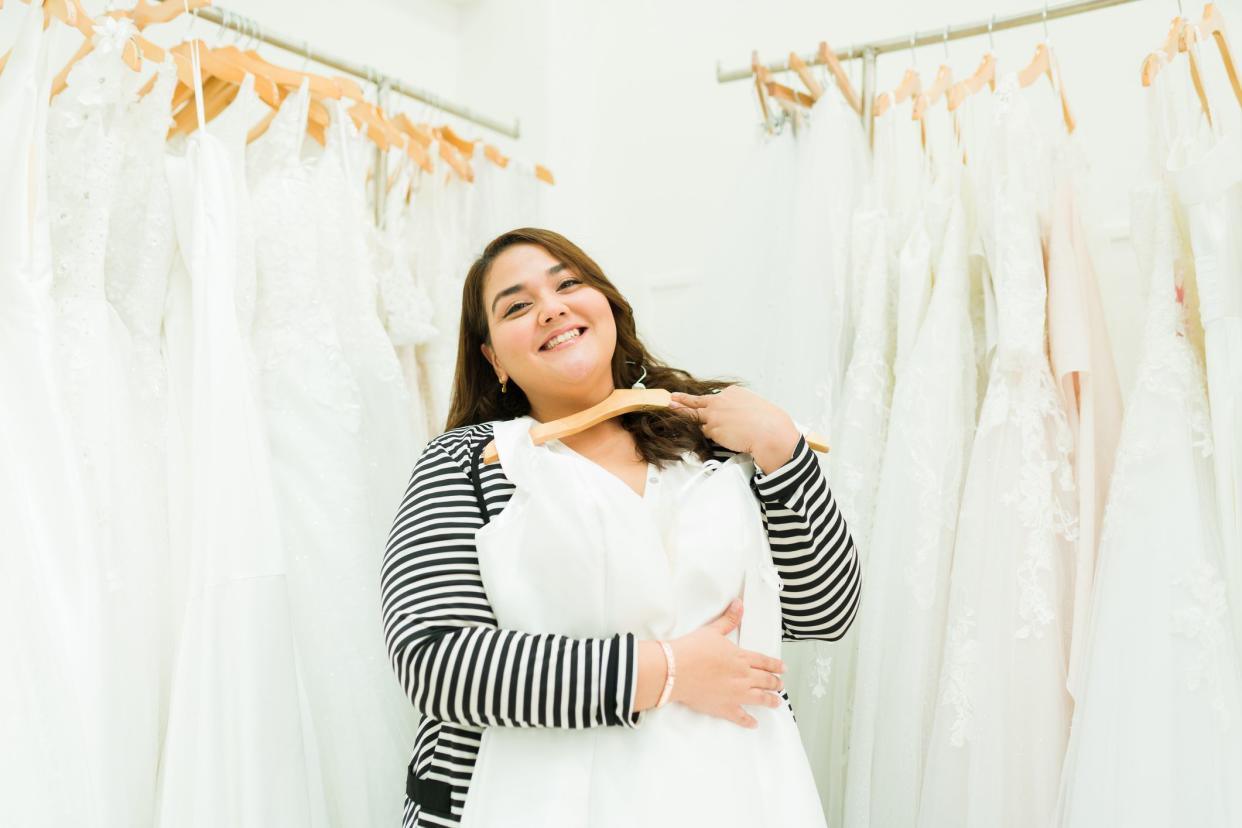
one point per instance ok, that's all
(671, 663)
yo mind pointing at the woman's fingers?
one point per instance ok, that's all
(764, 680)
(683, 400)
(743, 719)
(759, 661)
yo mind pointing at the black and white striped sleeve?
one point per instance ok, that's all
(811, 547)
(453, 662)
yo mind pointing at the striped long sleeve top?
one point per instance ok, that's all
(463, 673)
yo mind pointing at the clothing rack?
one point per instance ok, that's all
(384, 84)
(868, 51)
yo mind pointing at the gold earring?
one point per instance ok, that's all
(504, 386)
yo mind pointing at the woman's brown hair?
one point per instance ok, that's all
(660, 434)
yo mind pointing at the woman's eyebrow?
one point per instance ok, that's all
(512, 289)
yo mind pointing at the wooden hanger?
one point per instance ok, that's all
(881, 103)
(944, 79)
(804, 72)
(984, 75)
(451, 156)
(826, 56)
(1042, 65)
(494, 155)
(620, 401)
(145, 13)
(760, 90)
(910, 85)
(1153, 63)
(1187, 38)
(1213, 25)
(789, 99)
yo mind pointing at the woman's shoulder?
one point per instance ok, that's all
(459, 443)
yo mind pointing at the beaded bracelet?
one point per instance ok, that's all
(672, 674)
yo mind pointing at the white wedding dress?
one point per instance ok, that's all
(1157, 731)
(87, 133)
(1002, 715)
(838, 255)
(347, 276)
(313, 408)
(239, 747)
(50, 765)
(141, 249)
(1206, 164)
(901, 625)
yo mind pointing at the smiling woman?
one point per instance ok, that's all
(567, 621)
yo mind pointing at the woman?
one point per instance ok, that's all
(495, 618)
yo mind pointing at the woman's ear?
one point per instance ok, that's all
(490, 356)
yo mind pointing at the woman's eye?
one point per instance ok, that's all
(515, 306)
(569, 281)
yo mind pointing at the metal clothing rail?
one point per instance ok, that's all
(928, 38)
(383, 83)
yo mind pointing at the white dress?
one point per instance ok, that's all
(313, 410)
(239, 747)
(87, 130)
(1157, 731)
(1002, 715)
(407, 308)
(903, 610)
(347, 278)
(141, 248)
(49, 580)
(660, 565)
(1208, 173)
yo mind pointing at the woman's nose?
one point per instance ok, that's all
(551, 310)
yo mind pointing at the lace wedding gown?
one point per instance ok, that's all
(347, 277)
(141, 250)
(239, 747)
(1157, 731)
(49, 581)
(87, 131)
(407, 308)
(1002, 717)
(841, 251)
(313, 408)
(902, 620)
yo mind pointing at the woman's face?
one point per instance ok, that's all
(551, 333)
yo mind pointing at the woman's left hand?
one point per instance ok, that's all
(741, 420)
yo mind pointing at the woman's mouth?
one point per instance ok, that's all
(564, 340)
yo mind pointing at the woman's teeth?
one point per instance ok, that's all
(565, 337)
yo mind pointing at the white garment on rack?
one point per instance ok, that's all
(88, 126)
(348, 280)
(1002, 717)
(141, 249)
(1208, 172)
(838, 255)
(313, 408)
(903, 614)
(407, 308)
(1157, 731)
(239, 746)
(50, 765)
(660, 564)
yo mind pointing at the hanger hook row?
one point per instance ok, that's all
(1045, 20)
(991, 41)
(946, 42)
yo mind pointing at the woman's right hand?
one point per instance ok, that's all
(714, 675)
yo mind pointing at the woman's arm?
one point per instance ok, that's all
(811, 545)
(453, 662)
